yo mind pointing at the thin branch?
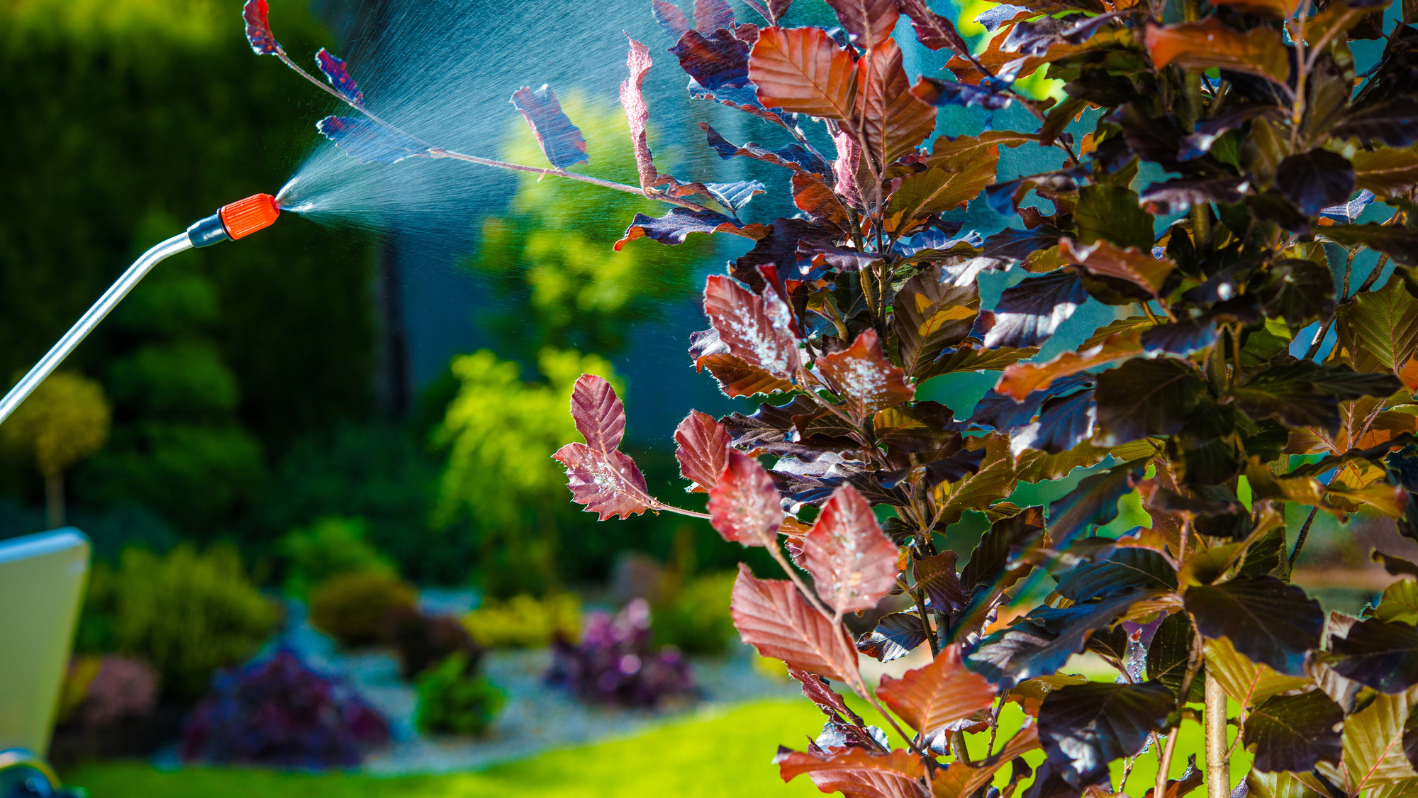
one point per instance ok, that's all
(1166, 764)
(679, 510)
(1300, 541)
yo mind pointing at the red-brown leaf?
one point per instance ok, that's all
(855, 772)
(932, 30)
(810, 194)
(852, 562)
(1202, 45)
(737, 378)
(774, 618)
(869, 21)
(601, 477)
(756, 329)
(744, 506)
(816, 689)
(638, 61)
(802, 70)
(936, 575)
(892, 120)
(1106, 260)
(702, 448)
(938, 694)
(607, 483)
(864, 377)
(598, 412)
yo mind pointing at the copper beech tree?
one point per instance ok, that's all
(1209, 397)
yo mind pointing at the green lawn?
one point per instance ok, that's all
(726, 755)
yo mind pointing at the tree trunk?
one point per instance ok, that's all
(54, 498)
(1218, 771)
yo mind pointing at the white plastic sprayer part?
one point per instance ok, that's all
(86, 324)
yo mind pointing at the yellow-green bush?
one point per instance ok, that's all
(351, 607)
(524, 621)
(187, 614)
(696, 620)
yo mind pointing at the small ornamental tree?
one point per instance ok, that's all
(1195, 398)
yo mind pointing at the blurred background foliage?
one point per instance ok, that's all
(241, 380)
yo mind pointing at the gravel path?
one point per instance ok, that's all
(536, 718)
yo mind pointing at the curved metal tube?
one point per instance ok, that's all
(90, 319)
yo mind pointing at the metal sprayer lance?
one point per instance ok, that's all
(237, 220)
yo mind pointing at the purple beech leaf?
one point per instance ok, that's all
(757, 329)
(853, 564)
(933, 31)
(869, 22)
(600, 476)
(734, 195)
(792, 156)
(636, 114)
(718, 60)
(1315, 180)
(818, 691)
(864, 378)
(1394, 122)
(744, 98)
(774, 618)
(369, 142)
(1064, 422)
(744, 507)
(561, 141)
(992, 18)
(1349, 212)
(1093, 503)
(672, 21)
(675, 226)
(1179, 194)
(256, 14)
(946, 92)
(711, 15)
(702, 448)
(936, 575)
(1266, 620)
(1028, 313)
(895, 636)
(1295, 733)
(1379, 654)
(338, 74)
(1083, 727)
(1181, 338)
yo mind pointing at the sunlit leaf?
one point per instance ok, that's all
(1029, 312)
(813, 197)
(675, 226)
(895, 636)
(863, 376)
(852, 563)
(256, 15)
(955, 173)
(1093, 502)
(869, 22)
(1126, 568)
(937, 694)
(773, 617)
(711, 15)
(792, 156)
(1112, 214)
(1022, 379)
(702, 448)
(368, 142)
(716, 60)
(600, 476)
(338, 74)
(891, 120)
(962, 779)
(816, 689)
(993, 481)
(803, 71)
(1129, 265)
(744, 506)
(1211, 44)
(1374, 746)
(856, 772)
(1378, 330)
(1083, 727)
(1247, 682)
(633, 100)
(933, 31)
(1265, 619)
(936, 577)
(561, 141)
(932, 313)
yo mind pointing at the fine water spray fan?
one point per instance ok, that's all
(230, 222)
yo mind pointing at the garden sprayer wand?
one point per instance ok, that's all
(237, 220)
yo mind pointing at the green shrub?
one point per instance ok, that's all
(329, 547)
(452, 702)
(351, 607)
(187, 614)
(524, 621)
(696, 620)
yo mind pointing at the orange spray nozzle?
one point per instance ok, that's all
(244, 217)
